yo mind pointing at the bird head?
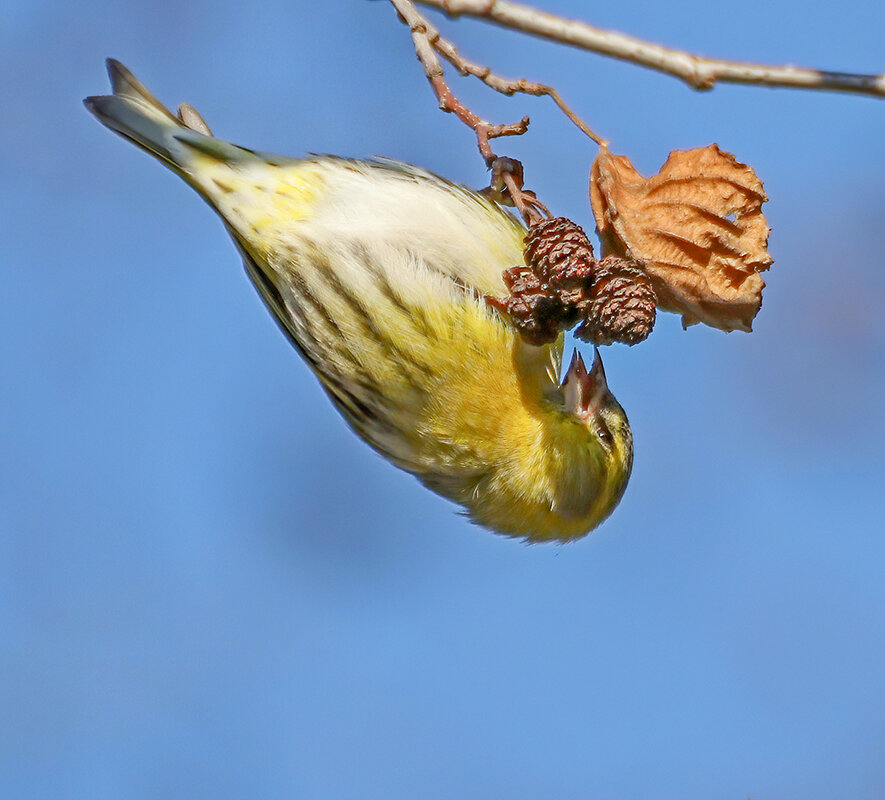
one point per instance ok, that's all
(606, 432)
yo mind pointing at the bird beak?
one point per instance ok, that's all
(584, 391)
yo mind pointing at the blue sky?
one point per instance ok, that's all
(210, 588)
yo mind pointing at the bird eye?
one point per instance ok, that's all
(605, 435)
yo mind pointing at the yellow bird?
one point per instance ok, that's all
(377, 271)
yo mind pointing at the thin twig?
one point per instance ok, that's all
(505, 86)
(506, 185)
(698, 72)
(484, 130)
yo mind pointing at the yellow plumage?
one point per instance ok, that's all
(377, 272)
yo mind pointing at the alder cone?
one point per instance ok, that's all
(533, 311)
(559, 251)
(562, 284)
(621, 306)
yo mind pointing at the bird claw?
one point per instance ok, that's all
(498, 189)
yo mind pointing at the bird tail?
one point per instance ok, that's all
(134, 113)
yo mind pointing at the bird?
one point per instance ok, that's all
(377, 272)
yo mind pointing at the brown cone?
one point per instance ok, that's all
(562, 285)
(621, 305)
(558, 249)
(534, 312)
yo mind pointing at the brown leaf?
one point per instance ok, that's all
(697, 226)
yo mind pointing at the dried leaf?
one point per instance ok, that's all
(697, 226)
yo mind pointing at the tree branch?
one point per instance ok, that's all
(698, 72)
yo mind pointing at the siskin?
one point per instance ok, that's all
(377, 272)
